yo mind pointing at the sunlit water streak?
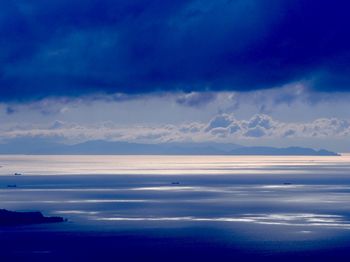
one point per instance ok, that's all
(172, 165)
(299, 220)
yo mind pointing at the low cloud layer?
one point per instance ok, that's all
(221, 128)
(263, 126)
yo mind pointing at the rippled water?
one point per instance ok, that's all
(261, 198)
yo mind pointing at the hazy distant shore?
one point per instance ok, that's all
(100, 147)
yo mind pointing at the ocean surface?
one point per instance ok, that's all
(178, 208)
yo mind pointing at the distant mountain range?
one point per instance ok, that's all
(287, 151)
(100, 147)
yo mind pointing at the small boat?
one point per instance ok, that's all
(18, 174)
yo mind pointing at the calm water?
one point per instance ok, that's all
(226, 207)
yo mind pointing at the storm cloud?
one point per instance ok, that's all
(74, 48)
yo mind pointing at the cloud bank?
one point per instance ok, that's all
(74, 48)
(221, 128)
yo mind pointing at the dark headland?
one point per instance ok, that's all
(12, 218)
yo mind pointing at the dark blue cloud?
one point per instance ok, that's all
(72, 48)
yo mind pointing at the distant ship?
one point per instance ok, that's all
(18, 174)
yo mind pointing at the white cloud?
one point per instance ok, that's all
(220, 121)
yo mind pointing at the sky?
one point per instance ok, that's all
(249, 72)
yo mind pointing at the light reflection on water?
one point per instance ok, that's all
(299, 220)
(309, 194)
(172, 165)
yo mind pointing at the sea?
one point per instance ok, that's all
(178, 208)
